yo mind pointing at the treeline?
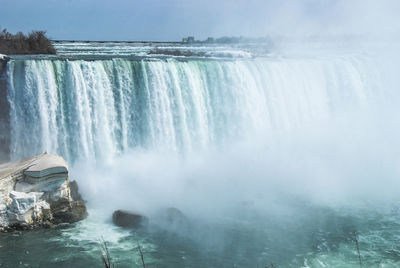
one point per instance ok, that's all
(35, 42)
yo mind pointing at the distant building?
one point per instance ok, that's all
(189, 39)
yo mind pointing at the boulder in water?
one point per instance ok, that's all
(128, 219)
(36, 192)
(172, 215)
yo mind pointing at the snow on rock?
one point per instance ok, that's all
(36, 192)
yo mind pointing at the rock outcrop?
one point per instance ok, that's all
(171, 218)
(4, 110)
(4, 57)
(128, 219)
(36, 192)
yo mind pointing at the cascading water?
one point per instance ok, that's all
(270, 158)
(99, 109)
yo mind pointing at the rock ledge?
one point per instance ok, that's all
(36, 192)
(4, 57)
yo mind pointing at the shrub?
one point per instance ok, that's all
(35, 42)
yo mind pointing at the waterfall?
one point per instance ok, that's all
(98, 109)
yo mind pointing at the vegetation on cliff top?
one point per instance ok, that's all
(35, 42)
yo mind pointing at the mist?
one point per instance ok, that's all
(350, 161)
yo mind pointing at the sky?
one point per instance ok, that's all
(170, 20)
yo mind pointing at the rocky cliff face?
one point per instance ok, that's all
(4, 110)
(4, 57)
(36, 192)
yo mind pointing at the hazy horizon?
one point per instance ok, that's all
(170, 20)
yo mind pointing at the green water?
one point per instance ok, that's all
(308, 236)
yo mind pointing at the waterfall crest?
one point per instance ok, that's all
(97, 109)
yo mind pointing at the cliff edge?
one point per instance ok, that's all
(36, 192)
(4, 57)
(4, 111)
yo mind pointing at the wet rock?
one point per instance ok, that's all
(172, 220)
(172, 215)
(67, 211)
(128, 219)
(75, 195)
